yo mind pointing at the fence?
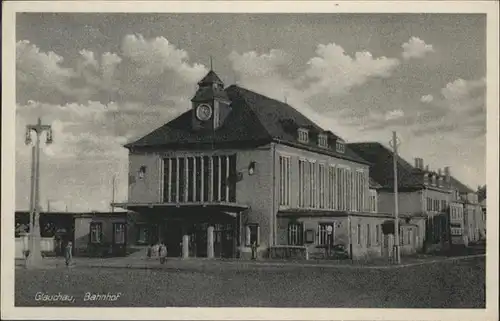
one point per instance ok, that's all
(288, 252)
(47, 244)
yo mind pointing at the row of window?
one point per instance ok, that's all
(434, 205)
(303, 136)
(456, 213)
(96, 235)
(199, 179)
(325, 234)
(324, 186)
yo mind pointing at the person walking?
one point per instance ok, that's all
(163, 253)
(68, 253)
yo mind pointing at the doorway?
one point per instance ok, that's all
(172, 237)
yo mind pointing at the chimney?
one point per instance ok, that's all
(417, 162)
(447, 173)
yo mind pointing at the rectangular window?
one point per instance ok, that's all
(322, 185)
(377, 234)
(401, 237)
(368, 236)
(95, 232)
(252, 234)
(119, 232)
(359, 234)
(295, 234)
(373, 201)
(325, 233)
(303, 135)
(409, 234)
(332, 187)
(285, 181)
(142, 236)
(348, 193)
(340, 189)
(313, 185)
(322, 141)
(443, 205)
(302, 183)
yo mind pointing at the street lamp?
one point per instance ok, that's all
(34, 256)
(394, 143)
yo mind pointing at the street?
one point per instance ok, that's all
(451, 284)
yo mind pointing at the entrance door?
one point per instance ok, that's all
(173, 238)
(224, 240)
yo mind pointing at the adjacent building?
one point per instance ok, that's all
(239, 170)
(91, 233)
(442, 209)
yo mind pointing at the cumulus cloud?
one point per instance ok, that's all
(416, 48)
(427, 98)
(333, 71)
(394, 114)
(155, 56)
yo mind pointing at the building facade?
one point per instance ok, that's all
(91, 233)
(443, 209)
(241, 171)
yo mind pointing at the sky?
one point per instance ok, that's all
(102, 80)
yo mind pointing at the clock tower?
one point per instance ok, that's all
(211, 104)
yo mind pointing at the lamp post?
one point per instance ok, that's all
(35, 257)
(394, 143)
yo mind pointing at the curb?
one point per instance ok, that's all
(242, 266)
(205, 267)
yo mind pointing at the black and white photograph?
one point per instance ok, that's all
(209, 157)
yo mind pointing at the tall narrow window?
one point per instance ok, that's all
(174, 181)
(340, 189)
(284, 181)
(340, 146)
(216, 178)
(359, 234)
(190, 179)
(198, 179)
(295, 234)
(182, 179)
(95, 232)
(252, 234)
(313, 185)
(325, 233)
(206, 178)
(377, 234)
(322, 185)
(368, 236)
(348, 193)
(302, 183)
(119, 231)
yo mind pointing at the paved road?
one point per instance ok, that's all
(459, 284)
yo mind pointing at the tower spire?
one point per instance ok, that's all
(211, 64)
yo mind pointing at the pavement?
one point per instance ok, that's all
(203, 264)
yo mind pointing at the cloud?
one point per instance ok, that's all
(155, 56)
(252, 64)
(427, 98)
(333, 71)
(394, 114)
(416, 48)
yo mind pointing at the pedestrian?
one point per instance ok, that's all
(68, 253)
(254, 250)
(163, 253)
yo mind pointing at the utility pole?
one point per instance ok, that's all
(34, 258)
(113, 196)
(395, 144)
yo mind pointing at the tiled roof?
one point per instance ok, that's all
(253, 118)
(210, 78)
(382, 170)
(461, 187)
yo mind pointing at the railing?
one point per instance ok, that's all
(288, 252)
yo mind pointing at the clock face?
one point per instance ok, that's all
(204, 112)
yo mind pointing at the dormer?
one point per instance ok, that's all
(340, 146)
(323, 140)
(303, 135)
(426, 178)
